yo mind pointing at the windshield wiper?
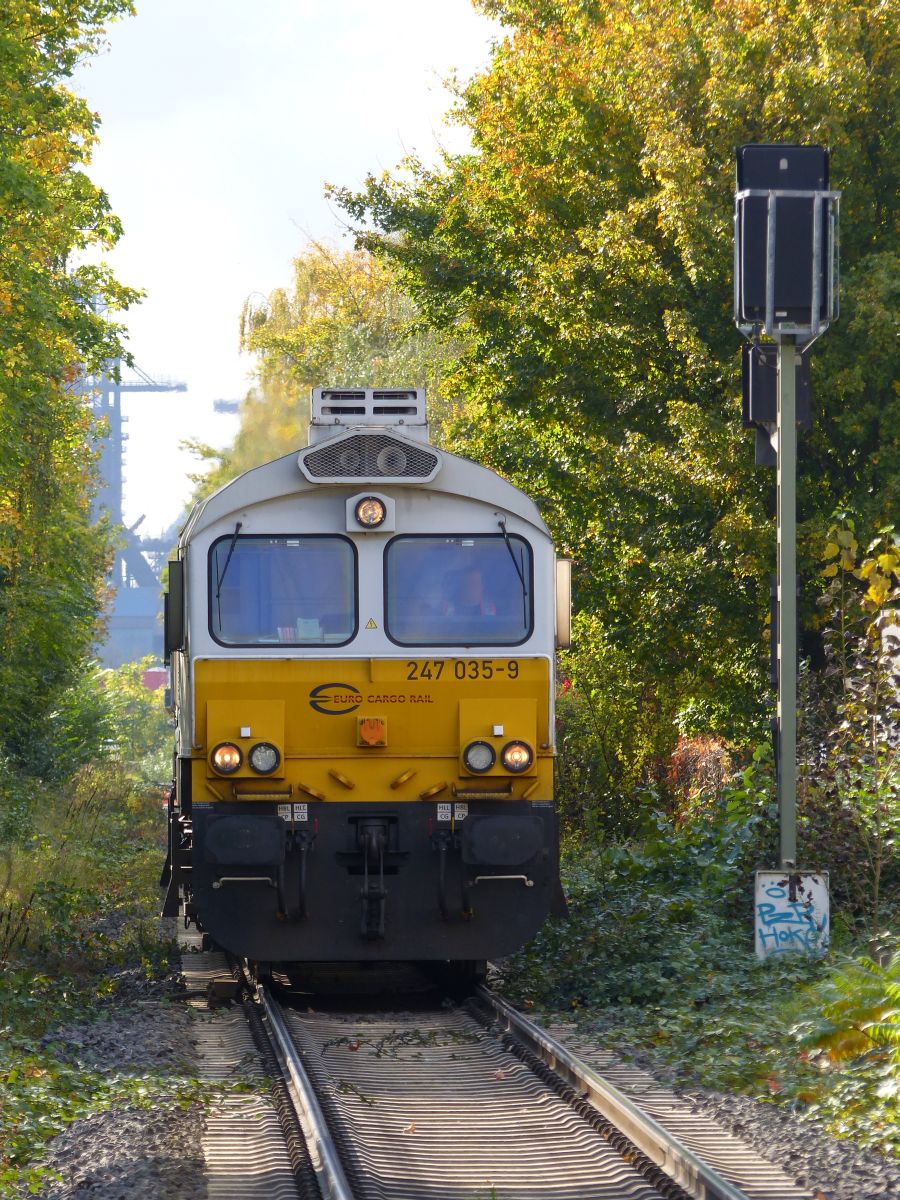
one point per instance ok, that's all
(519, 571)
(221, 579)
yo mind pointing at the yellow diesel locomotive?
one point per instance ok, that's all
(361, 640)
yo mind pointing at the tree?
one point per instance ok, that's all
(582, 254)
(344, 323)
(52, 556)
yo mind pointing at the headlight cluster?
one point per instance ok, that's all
(515, 757)
(263, 758)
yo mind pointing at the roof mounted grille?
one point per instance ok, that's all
(402, 409)
(376, 457)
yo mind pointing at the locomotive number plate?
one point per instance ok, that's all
(462, 668)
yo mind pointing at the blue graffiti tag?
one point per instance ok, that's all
(790, 924)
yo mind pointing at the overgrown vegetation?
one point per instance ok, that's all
(79, 748)
(53, 555)
(79, 861)
(657, 953)
(657, 957)
(850, 746)
(42, 1095)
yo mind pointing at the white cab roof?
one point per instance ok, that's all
(283, 477)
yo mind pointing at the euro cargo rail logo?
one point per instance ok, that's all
(334, 699)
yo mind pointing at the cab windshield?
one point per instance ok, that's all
(465, 590)
(273, 590)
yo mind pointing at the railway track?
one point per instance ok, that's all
(479, 1103)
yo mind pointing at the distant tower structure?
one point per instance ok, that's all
(134, 628)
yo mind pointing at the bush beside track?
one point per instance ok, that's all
(658, 954)
(80, 856)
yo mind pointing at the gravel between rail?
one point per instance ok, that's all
(830, 1168)
(156, 1155)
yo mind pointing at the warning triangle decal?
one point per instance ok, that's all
(370, 624)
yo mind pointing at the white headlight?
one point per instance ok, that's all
(479, 756)
(264, 758)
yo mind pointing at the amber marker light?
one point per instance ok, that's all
(479, 757)
(226, 758)
(372, 732)
(517, 757)
(264, 758)
(370, 512)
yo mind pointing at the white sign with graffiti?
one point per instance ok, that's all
(791, 913)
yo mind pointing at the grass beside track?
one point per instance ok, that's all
(80, 937)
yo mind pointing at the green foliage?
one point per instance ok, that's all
(860, 1013)
(612, 732)
(750, 1026)
(857, 1101)
(79, 861)
(106, 741)
(87, 888)
(81, 727)
(141, 736)
(79, 847)
(657, 957)
(581, 254)
(854, 1039)
(731, 1030)
(345, 322)
(75, 870)
(52, 557)
(650, 916)
(849, 752)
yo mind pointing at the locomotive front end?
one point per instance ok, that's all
(362, 651)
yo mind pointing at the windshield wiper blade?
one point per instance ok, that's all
(234, 538)
(519, 571)
(221, 579)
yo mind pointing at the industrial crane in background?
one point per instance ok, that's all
(134, 628)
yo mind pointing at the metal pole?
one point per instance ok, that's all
(787, 601)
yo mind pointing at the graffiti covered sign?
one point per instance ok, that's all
(791, 913)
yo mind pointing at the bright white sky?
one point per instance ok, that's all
(221, 123)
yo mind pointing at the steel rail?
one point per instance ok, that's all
(671, 1155)
(322, 1150)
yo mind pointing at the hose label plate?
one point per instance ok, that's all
(293, 812)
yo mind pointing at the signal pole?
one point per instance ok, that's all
(787, 602)
(785, 253)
